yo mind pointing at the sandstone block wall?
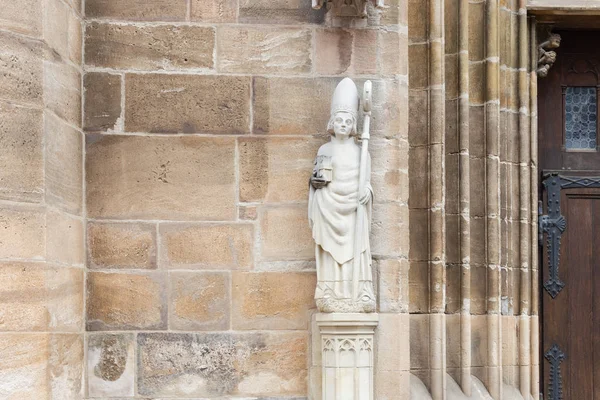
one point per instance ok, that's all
(41, 201)
(202, 120)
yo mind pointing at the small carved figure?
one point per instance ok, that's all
(339, 210)
(547, 57)
(346, 8)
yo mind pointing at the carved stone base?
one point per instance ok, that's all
(347, 344)
(330, 305)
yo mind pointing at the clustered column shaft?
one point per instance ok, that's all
(481, 197)
(492, 110)
(437, 217)
(464, 197)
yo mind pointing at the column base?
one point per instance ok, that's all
(347, 345)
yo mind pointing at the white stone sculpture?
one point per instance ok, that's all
(340, 208)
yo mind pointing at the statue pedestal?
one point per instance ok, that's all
(347, 345)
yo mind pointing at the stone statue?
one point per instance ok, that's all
(339, 208)
(546, 55)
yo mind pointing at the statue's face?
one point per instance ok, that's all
(555, 41)
(342, 124)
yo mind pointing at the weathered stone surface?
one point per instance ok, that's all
(478, 291)
(279, 12)
(392, 338)
(198, 103)
(199, 301)
(418, 287)
(247, 213)
(137, 10)
(75, 48)
(285, 234)
(209, 365)
(393, 56)
(102, 102)
(22, 232)
(24, 366)
(157, 47)
(64, 165)
(117, 301)
(34, 297)
(62, 91)
(293, 105)
(418, 56)
(276, 169)
(391, 385)
(272, 300)
(121, 245)
(21, 153)
(262, 50)
(64, 238)
(389, 170)
(340, 51)
(22, 17)
(65, 366)
(214, 11)
(56, 27)
(41, 366)
(393, 286)
(301, 106)
(418, 171)
(21, 69)
(164, 179)
(419, 341)
(389, 230)
(111, 365)
(207, 246)
(418, 128)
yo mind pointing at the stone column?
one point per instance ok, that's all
(347, 345)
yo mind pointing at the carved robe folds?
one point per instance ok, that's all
(332, 215)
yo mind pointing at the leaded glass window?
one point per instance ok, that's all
(581, 118)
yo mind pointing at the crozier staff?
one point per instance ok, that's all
(340, 211)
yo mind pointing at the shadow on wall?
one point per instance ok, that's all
(418, 390)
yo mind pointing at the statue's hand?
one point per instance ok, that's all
(365, 198)
(318, 183)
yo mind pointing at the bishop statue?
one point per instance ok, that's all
(339, 208)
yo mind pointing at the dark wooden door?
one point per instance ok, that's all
(568, 102)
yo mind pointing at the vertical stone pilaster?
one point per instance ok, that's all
(437, 214)
(492, 110)
(464, 197)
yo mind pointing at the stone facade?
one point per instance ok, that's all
(154, 173)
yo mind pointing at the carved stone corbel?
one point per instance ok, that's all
(346, 8)
(547, 55)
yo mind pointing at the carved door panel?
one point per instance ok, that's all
(570, 227)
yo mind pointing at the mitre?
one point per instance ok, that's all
(345, 98)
